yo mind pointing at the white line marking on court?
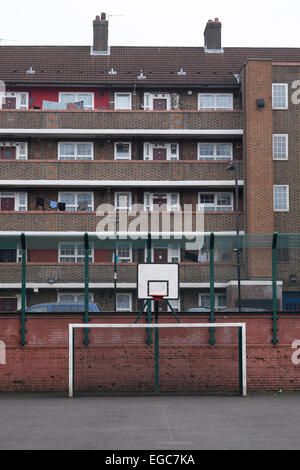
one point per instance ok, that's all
(168, 424)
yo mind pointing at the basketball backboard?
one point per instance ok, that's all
(158, 280)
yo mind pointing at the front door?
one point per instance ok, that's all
(9, 103)
(160, 104)
(163, 306)
(159, 154)
(160, 204)
(7, 204)
(8, 304)
(160, 255)
(7, 153)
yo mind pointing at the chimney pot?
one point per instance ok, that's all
(103, 16)
(216, 20)
(97, 18)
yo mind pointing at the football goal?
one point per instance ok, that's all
(179, 359)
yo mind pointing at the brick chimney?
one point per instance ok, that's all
(213, 36)
(100, 44)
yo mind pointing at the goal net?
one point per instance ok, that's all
(178, 359)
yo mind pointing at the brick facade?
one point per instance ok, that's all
(42, 365)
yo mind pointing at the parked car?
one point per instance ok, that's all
(198, 310)
(62, 308)
(243, 310)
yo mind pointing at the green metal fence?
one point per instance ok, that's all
(275, 257)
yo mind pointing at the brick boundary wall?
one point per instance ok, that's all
(42, 365)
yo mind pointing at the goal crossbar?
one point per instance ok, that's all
(240, 326)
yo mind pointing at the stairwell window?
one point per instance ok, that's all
(208, 151)
(219, 202)
(281, 198)
(216, 101)
(280, 96)
(123, 101)
(280, 147)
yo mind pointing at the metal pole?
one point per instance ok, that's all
(149, 314)
(238, 253)
(212, 286)
(115, 276)
(274, 284)
(23, 311)
(156, 347)
(86, 287)
(240, 341)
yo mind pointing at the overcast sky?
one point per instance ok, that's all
(157, 22)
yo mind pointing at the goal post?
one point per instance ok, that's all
(182, 338)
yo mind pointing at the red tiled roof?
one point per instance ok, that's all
(76, 65)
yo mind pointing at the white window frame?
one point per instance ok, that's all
(16, 197)
(21, 149)
(130, 302)
(18, 96)
(286, 147)
(76, 193)
(130, 101)
(76, 295)
(76, 156)
(123, 193)
(122, 259)
(217, 296)
(76, 255)
(77, 93)
(214, 156)
(148, 148)
(287, 197)
(215, 202)
(170, 207)
(286, 95)
(129, 151)
(215, 108)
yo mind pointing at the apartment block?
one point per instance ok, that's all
(123, 127)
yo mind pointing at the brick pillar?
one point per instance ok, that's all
(258, 157)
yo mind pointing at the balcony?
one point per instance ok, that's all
(103, 170)
(104, 273)
(44, 221)
(114, 122)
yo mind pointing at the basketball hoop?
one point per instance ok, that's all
(158, 298)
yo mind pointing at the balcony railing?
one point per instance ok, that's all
(104, 273)
(38, 119)
(44, 221)
(133, 170)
